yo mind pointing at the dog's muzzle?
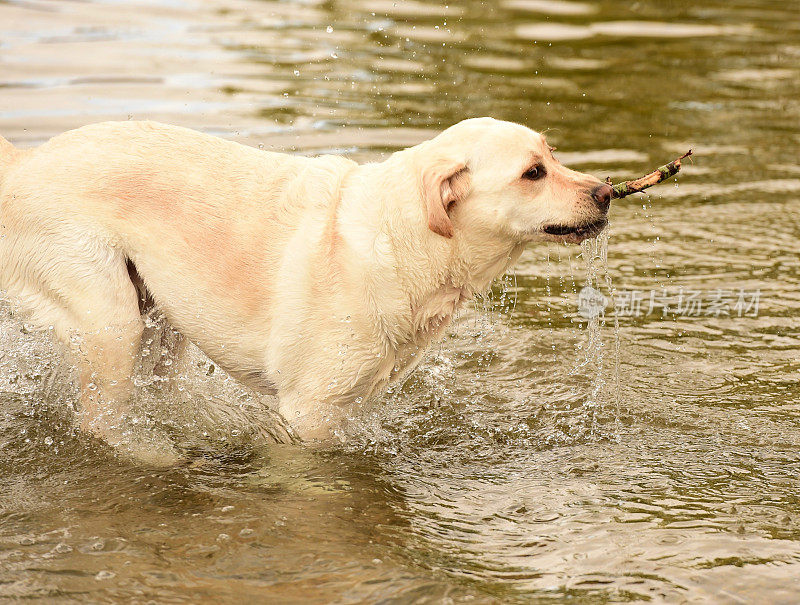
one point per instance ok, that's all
(582, 231)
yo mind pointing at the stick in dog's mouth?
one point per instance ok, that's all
(654, 178)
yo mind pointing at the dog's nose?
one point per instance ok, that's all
(602, 196)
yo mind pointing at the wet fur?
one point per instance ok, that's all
(316, 279)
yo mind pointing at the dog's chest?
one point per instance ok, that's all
(433, 314)
(428, 320)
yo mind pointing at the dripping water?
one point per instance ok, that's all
(603, 373)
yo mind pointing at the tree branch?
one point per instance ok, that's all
(661, 174)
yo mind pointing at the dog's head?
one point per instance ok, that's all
(484, 175)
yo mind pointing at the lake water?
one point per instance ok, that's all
(536, 456)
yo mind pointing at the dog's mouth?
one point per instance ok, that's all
(576, 233)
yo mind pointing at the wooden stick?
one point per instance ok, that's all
(654, 178)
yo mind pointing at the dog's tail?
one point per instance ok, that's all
(8, 154)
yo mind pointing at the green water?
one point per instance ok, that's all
(526, 460)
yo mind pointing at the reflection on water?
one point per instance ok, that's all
(529, 457)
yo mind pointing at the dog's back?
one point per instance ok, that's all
(203, 220)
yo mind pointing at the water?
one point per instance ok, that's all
(531, 458)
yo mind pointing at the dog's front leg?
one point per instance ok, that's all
(310, 419)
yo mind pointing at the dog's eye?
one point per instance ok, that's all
(534, 173)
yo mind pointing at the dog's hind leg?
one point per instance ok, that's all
(104, 334)
(79, 285)
(106, 356)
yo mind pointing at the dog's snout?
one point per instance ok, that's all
(602, 196)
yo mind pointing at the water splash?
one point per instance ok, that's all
(196, 407)
(604, 389)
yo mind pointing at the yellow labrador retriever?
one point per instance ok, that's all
(318, 280)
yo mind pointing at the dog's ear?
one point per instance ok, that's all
(444, 182)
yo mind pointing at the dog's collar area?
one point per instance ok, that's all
(585, 229)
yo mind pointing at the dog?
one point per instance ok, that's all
(317, 280)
